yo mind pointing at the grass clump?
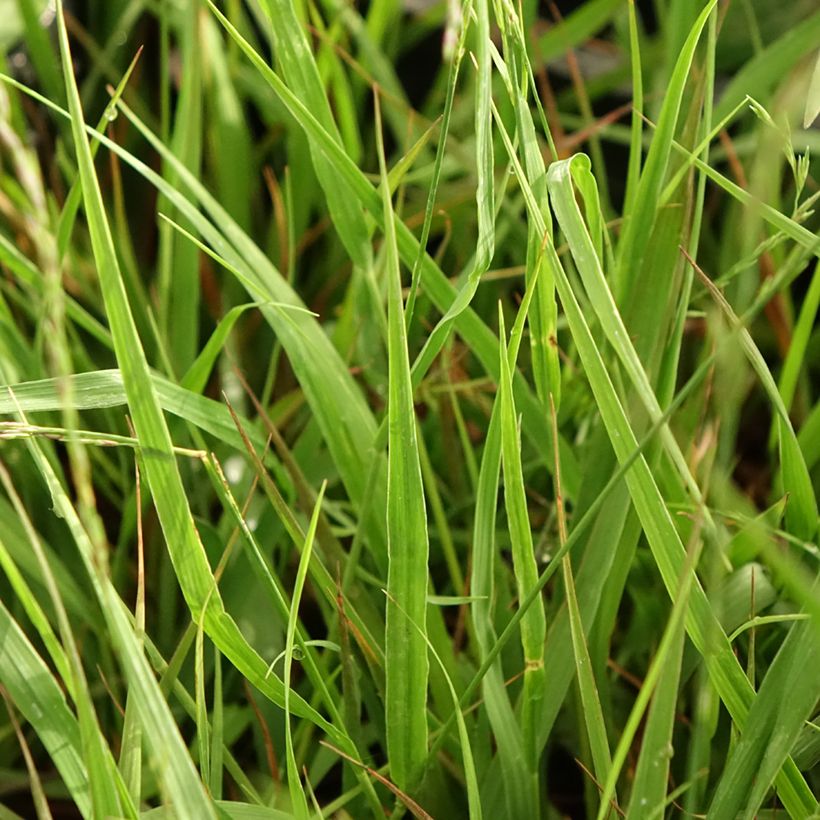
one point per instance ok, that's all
(293, 525)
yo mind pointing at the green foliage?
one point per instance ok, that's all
(283, 504)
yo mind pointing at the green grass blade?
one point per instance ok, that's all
(593, 716)
(196, 377)
(103, 777)
(813, 96)
(178, 275)
(41, 701)
(203, 729)
(648, 794)
(792, 229)
(632, 247)
(406, 661)
(801, 511)
(216, 775)
(104, 388)
(169, 754)
(633, 174)
(301, 74)
(297, 793)
(65, 224)
(473, 797)
(452, 80)
(485, 195)
(795, 358)
(520, 785)
(773, 725)
(533, 626)
(543, 317)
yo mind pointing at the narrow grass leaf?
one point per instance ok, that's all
(543, 316)
(633, 173)
(593, 716)
(38, 797)
(638, 227)
(520, 785)
(795, 358)
(170, 756)
(406, 662)
(40, 699)
(106, 788)
(473, 798)
(773, 724)
(104, 388)
(297, 793)
(301, 74)
(533, 625)
(196, 377)
(788, 226)
(485, 194)
(203, 729)
(801, 511)
(178, 261)
(452, 80)
(813, 96)
(648, 795)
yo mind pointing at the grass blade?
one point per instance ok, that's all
(297, 793)
(632, 247)
(534, 625)
(406, 661)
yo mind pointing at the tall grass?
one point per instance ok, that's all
(291, 524)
